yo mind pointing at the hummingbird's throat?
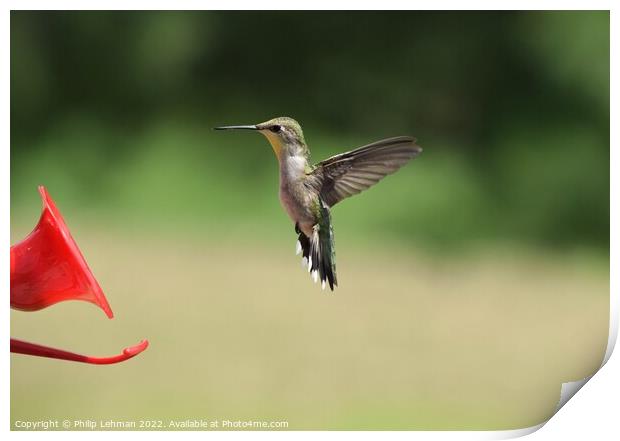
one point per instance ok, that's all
(275, 141)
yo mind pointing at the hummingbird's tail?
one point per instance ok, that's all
(318, 250)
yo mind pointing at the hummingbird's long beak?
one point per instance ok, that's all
(252, 127)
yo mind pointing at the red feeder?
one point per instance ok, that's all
(47, 267)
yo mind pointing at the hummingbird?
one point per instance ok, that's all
(308, 192)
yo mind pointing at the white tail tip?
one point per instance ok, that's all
(323, 285)
(315, 276)
(298, 248)
(304, 262)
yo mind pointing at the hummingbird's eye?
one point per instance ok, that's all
(275, 129)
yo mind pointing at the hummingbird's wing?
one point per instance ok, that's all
(349, 173)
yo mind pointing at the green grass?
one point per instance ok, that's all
(239, 331)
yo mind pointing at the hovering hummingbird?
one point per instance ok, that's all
(307, 192)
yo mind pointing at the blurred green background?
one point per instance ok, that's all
(477, 273)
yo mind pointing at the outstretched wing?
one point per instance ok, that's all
(349, 173)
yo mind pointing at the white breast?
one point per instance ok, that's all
(293, 195)
(292, 168)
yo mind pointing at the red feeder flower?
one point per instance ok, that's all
(47, 267)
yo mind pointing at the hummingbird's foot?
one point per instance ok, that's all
(297, 230)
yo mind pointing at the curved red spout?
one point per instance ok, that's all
(47, 267)
(23, 347)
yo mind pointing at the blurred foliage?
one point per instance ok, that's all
(112, 111)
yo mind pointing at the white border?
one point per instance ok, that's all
(593, 415)
(310, 5)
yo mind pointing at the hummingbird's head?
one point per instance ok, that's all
(283, 133)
